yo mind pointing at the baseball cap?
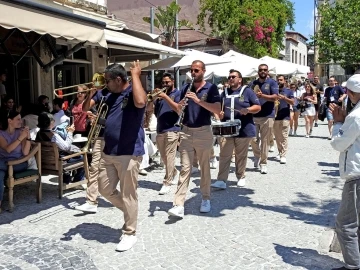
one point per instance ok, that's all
(353, 83)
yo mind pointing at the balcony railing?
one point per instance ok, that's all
(99, 6)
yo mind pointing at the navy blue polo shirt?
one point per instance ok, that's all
(268, 87)
(336, 92)
(166, 116)
(247, 99)
(124, 134)
(195, 115)
(97, 97)
(284, 108)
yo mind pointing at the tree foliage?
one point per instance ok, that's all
(338, 38)
(255, 27)
(165, 21)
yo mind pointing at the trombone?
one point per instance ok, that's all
(152, 96)
(95, 85)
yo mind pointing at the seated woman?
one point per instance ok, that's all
(14, 144)
(46, 123)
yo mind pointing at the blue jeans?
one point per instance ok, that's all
(3, 171)
(329, 115)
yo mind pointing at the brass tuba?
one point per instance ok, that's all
(97, 124)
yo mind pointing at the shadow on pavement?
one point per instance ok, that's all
(94, 231)
(327, 164)
(234, 197)
(307, 258)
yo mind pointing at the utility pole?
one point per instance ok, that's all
(177, 44)
(152, 31)
(317, 22)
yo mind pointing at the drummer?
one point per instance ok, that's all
(238, 103)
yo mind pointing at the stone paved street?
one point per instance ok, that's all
(281, 220)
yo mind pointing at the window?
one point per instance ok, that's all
(300, 59)
(296, 57)
(304, 61)
(292, 56)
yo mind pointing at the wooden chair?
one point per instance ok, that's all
(17, 178)
(52, 163)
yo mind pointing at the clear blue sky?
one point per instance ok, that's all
(304, 17)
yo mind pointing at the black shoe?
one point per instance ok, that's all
(316, 125)
(343, 268)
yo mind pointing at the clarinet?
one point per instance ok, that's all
(181, 116)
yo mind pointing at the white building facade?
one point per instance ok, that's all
(296, 48)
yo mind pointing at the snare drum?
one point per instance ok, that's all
(226, 129)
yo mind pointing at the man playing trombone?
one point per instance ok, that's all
(202, 100)
(167, 134)
(92, 191)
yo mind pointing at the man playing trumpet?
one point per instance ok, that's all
(167, 134)
(245, 104)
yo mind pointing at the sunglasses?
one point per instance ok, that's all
(232, 77)
(262, 69)
(194, 70)
(166, 82)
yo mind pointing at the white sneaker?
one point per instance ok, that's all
(219, 184)
(87, 208)
(283, 160)
(205, 206)
(295, 133)
(194, 170)
(277, 157)
(177, 211)
(126, 242)
(143, 172)
(214, 163)
(307, 136)
(263, 169)
(233, 159)
(290, 132)
(241, 182)
(256, 162)
(164, 189)
(272, 148)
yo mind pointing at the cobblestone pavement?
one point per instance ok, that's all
(278, 221)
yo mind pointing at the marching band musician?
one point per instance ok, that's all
(124, 146)
(264, 120)
(282, 118)
(167, 134)
(196, 136)
(243, 103)
(92, 191)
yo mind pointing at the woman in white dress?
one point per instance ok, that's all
(309, 97)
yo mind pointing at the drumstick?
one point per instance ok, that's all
(233, 109)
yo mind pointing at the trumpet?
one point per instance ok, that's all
(97, 125)
(152, 96)
(94, 84)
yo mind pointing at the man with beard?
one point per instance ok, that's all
(319, 92)
(282, 119)
(167, 134)
(124, 146)
(267, 91)
(243, 103)
(196, 137)
(346, 140)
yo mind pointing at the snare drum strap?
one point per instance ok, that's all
(233, 100)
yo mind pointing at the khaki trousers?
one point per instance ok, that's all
(92, 190)
(196, 161)
(124, 169)
(271, 138)
(260, 145)
(281, 129)
(193, 140)
(167, 144)
(227, 147)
